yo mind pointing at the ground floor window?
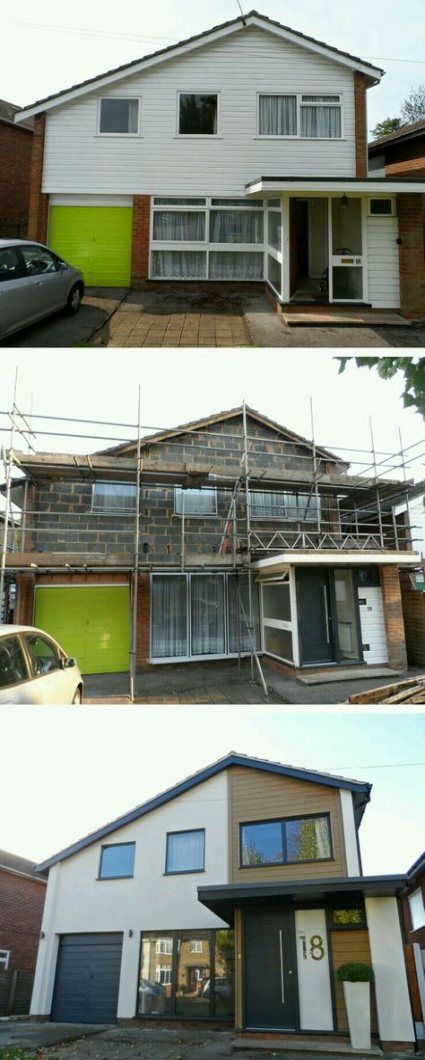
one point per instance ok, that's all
(197, 616)
(214, 239)
(193, 979)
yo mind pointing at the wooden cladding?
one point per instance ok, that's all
(350, 946)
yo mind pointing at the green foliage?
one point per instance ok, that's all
(15, 1054)
(412, 368)
(385, 127)
(413, 107)
(355, 972)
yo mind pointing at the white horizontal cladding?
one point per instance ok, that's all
(372, 623)
(159, 162)
(383, 262)
(91, 200)
(77, 901)
(345, 558)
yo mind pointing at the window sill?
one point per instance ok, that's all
(198, 136)
(304, 139)
(185, 872)
(119, 136)
(109, 879)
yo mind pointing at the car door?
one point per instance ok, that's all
(51, 680)
(49, 281)
(15, 684)
(13, 308)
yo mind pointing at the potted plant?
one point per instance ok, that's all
(356, 979)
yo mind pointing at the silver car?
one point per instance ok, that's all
(34, 669)
(34, 282)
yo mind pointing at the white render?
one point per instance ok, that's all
(238, 67)
(314, 983)
(350, 834)
(391, 989)
(372, 624)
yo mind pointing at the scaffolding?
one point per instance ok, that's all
(342, 500)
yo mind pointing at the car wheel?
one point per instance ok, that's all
(78, 698)
(74, 300)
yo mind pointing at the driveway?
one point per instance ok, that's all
(62, 331)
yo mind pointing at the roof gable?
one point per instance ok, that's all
(253, 18)
(361, 795)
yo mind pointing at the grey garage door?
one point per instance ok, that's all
(87, 979)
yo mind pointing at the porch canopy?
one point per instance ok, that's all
(280, 561)
(223, 900)
(260, 186)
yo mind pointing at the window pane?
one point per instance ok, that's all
(278, 642)
(207, 595)
(9, 264)
(167, 201)
(196, 502)
(185, 851)
(179, 264)
(278, 116)
(117, 861)
(193, 976)
(277, 602)
(346, 226)
(274, 272)
(12, 663)
(45, 657)
(226, 265)
(274, 229)
(224, 974)
(381, 207)
(169, 616)
(320, 99)
(273, 204)
(119, 115)
(250, 204)
(38, 261)
(198, 115)
(114, 497)
(262, 844)
(237, 590)
(308, 506)
(348, 282)
(347, 918)
(266, 505)
(155, 980)
(417, 910)
(308, 839)
(182, 226)
(321, 122)
(236, 226)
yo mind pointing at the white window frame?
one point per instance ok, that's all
(204, 247)
(127, 513)
(195, 515)
(338, 102)
(4, 959)
(190, 657)
(195, 946)
(199, 92)
(115, 135)
(166, 971)
(381, 216)
(413, 912)
(288, 578)
(164, 952)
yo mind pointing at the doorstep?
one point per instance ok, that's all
(281, 1044)
(352, 673)
(340, 316)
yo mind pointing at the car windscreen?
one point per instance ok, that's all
(13, 667)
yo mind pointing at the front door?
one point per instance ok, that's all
(270, 970)
(315, 621)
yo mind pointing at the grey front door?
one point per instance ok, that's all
(270, 969)
(87, 979)
(315, 616)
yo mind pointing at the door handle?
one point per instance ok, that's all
(326, 613)
(282, 977)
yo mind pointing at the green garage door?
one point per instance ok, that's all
(96, 239)
(90, 623)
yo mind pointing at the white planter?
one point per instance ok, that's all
(357, 1003)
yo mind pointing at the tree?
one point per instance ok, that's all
(385, 127)
(413, 370)
(413, 107)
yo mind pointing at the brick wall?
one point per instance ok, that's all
(143, 621)
(411, 224)
(414, 623)
(360, 123)
(15, 168)
(393, 612)
(25, 594)
(38, 203)
(140, 239)
(21, 911)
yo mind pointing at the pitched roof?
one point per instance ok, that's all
(201, 38)
(360, 789)
(405, 132)
(417, 867)
(7, 114)
(14, 863)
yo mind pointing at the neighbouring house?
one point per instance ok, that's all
(15, 172)
(413, 906)
(237, 155)
(249, 534)
(400, 153)
(232, 899)
(22, 895)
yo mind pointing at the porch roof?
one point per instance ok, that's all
(345, 557)
(318, 185)
(224, 899)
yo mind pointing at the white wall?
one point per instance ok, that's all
(78, 902)
(383, 262)
(78, 161)
(386, 946)
(350, 833)
(372, 624)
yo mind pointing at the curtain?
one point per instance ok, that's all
(169, 617)
(274, 229)
(321, 121)
(119, 116)
(179, 264)
(114, 497)
(278, 116)
(235, 265)
(196, 502)
(237, 590)
(185, 226)
(236, 226)
(207, 594)
(185, 851)
(269, 505)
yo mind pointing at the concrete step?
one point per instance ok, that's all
(352, 673)
(279, 1045)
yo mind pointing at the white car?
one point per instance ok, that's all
(34, 669)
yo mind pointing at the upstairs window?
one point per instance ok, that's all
(297, 507)
(119, 117)
(185, 851)
(321, 117)
(117, 498)
(117, 861)
(195, 502)
(198, 114)
(278, 116)
(286, 842)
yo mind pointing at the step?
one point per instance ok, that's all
(272, 1046)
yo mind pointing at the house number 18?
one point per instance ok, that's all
(317, 951)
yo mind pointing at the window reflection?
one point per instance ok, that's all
(187, 974)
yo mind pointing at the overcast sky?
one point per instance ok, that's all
(74, 770)
(48, 46)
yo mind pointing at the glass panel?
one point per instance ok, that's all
(38, 261)
(193, 976)
(154, 995)
(169, 616)
(224, 974)
(346, 226)
(278, 642)
(44, 655)
(196, 502)
(321, 122)
(272, 505)
(9, 264)
(12, 663)
(236, 226)
(226, 265)
(207, 594)
(274, 272)
(417, 910)
(274, 229)
(114, 497)
(346, 614)
(273, 204)
(320, 99)
(237, 589)
(308, 839)
(277, 602)
(347, 918)
(179, 264)
(167, 201)
(198, 115)
(262, 844)
(308, 507)
(348, 282)
(278, 116)
(248, 204)
(181, 226)
(119, 115)
(117, 861)
(185, 851)
(381, 207)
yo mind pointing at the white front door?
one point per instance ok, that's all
(346, 272)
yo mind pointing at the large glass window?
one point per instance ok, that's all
(181, 226)
(185, 851)
(114, 498)
(299, 507)
(187, 974)
(198, 114)
(278, 115)
(233, 265)
(193, 976)
(321, 117)
(179, 265)
(207, 610)
(155, 979)
(286, 841)
(197, 614)
(117, 861)
(119, 116)
(236, 226)
(195, 502)
(169, 616)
